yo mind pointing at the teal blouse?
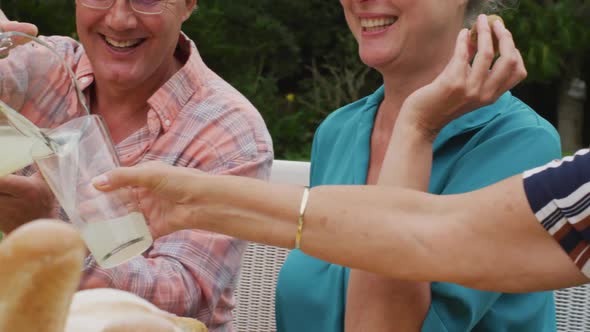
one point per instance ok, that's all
(478, 149)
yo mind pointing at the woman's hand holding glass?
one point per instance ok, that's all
(465, 85)
(169, 197)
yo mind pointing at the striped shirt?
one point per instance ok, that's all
(195, 120)
(559, 195)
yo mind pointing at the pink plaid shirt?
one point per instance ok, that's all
(195, 120)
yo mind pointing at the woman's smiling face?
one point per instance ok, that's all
(403, 32)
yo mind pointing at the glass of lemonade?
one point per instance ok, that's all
(111, 223)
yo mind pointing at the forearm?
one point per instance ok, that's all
(421, 237)
(372, 228)
(511, 251)
(394, 304)
(403, 234)
(408, 161)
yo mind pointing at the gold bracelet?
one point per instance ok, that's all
(300, 219)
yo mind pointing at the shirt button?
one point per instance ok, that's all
(167, 122)
(84, 80)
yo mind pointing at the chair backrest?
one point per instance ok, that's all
(290, 172)
(255, 292)
(573, 309)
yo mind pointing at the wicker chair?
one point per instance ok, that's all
(573, 309)
(255, 293)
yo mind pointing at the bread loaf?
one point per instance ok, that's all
(40, 268)
(112, 310)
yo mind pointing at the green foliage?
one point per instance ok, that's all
(296, 60)
(52, 17)
(553, 36)
(240, 37)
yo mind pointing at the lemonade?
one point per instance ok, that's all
(128, 235)
(15, 150)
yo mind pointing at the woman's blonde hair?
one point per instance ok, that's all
(476, 7)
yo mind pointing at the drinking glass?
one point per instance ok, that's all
(111, 223)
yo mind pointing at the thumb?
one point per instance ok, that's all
(142, 177)
(14, 184)
(28, 28)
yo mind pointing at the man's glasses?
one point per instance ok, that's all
(148, 7)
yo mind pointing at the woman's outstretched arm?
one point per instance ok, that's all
(488, 239)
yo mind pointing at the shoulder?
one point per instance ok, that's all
(221, 103)
(65, 48)
(508, 122)
(508, 139)
(212, 99)
(219, 116)
(514, 114)
(215, 98)
(518, 129)
(68, 48)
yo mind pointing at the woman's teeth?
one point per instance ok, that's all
(377, 24)
(124, 43)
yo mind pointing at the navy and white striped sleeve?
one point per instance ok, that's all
(559, 195)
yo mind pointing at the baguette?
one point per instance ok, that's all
(40, 268)
(113, 310)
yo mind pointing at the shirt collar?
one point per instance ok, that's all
(468, 122)
(171, 98)
(472, 120)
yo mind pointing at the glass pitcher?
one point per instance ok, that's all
(38, 91)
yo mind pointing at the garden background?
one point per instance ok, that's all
(296, 60)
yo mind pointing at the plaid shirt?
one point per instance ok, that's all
(195, 120)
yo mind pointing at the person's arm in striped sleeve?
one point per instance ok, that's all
(488, 239)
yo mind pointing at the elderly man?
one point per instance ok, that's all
(159, 102)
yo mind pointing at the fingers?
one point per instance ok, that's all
(8, 43)
(488, 79)
(462, 51)
(454, 75)
(28, 28)
(15, 185)
(153, 176)
(509, 69)
(144, 176)
(458, 67)
(3, 17)
(485, 53)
